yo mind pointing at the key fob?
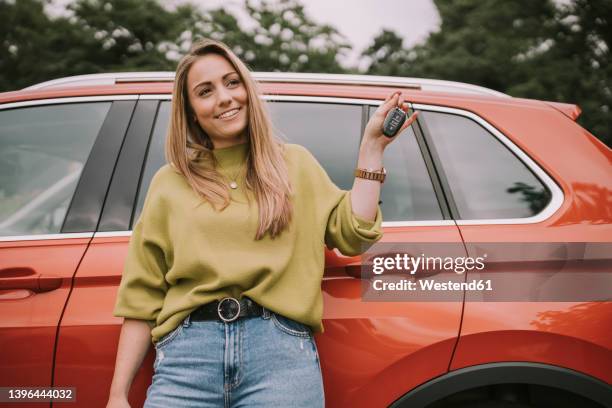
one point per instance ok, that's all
(393, 122)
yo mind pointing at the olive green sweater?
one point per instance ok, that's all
(182, 255)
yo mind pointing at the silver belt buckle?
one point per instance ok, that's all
(223, 302)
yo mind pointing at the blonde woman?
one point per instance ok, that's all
(224, 266)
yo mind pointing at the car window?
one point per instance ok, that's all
(329, 131)
(486, 179)
(43, 150)
(407, 193)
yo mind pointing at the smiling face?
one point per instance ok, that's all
(219, 100)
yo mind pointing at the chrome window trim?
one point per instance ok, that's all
(155, 96)
(556, 192)
(109, 234)
(440, 223)
(51, 101)
(324, 99)
(432, 223)
(41, 237)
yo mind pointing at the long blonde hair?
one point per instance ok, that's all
(187, 144)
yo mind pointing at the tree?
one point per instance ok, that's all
(284, 38)
(128, 35)
(29, 43)
(387, 55)
(112, 35)
(577, 65)
(141, 35)
(522, 48)
(288, 40)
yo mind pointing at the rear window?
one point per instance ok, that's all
(486, 179)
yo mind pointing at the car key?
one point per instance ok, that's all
(394, 121)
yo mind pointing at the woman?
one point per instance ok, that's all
(225, 262)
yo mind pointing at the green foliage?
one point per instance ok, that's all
(126, 35)
(141, 35)
(524, 48)
(387, 55)
(26, 38)
(287, 40)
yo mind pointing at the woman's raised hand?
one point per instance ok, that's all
(373, 135)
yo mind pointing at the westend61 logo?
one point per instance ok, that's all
(411, 264)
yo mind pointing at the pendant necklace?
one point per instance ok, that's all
(233, 185)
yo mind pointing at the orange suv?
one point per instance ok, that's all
(77, 155)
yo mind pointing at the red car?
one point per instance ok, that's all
(77, 155)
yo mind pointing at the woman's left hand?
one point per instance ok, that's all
(366, 193)
(373, 136)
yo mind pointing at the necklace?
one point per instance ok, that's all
(233, 185)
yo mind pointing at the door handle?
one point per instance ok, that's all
(38, 283)
(353, 270)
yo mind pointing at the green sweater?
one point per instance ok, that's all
(182, 255)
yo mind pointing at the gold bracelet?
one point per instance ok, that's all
(370, 174)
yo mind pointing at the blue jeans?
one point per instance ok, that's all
(264, 361)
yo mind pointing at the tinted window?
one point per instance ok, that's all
(486, 179)
(331, 132)
(407, 193)
(42, 153)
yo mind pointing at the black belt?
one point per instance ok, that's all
(227, 309)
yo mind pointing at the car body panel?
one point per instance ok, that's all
(574, 335)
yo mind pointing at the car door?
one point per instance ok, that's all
(88, 333)
(51, 193)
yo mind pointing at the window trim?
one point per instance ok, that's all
(43, 237)
(438, 223)
(557, 195)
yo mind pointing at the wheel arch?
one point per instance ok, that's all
(504, 373)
